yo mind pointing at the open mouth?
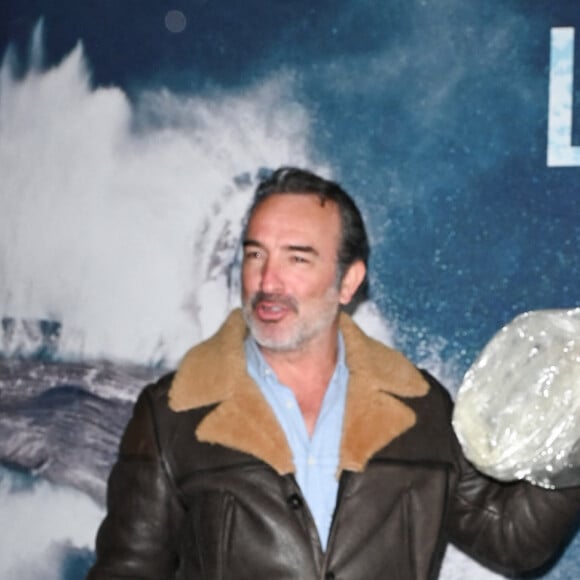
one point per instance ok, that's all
(272, 308)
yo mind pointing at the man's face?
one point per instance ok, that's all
(290, 294)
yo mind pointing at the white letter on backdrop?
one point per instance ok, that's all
(561, 153)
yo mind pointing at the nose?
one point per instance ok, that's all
(270, 277)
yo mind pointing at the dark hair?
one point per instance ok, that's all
(354, 243)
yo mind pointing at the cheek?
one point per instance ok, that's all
(249, 277)
(320, 289)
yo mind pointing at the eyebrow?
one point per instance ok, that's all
(303, 249)
(289, 247)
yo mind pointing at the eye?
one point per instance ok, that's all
(253, 254)
(298, 259)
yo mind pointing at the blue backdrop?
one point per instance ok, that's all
(131, 134)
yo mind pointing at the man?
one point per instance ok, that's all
(292, 446)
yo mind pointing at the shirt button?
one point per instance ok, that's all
(311, 460)
(294, 501)
(329, 576)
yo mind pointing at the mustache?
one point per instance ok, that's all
(279, 299)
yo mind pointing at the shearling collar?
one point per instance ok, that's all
(215, 372)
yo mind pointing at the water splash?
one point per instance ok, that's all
(103, 201)
(119, 219)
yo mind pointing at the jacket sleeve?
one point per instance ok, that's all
(138, 538)
(513, 527)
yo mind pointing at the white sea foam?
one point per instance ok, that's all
(457, 566)
(39, 522)
(98, 220)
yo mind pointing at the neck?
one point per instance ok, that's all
(307, 372)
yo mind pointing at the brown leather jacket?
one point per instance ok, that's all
(204, 487)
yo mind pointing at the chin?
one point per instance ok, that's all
(275, 342)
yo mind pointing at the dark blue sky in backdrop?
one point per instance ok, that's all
(433, 114)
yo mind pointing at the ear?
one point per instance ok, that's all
(351, 280)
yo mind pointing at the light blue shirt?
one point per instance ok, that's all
(316, 459)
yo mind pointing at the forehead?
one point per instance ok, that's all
(306, 217)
